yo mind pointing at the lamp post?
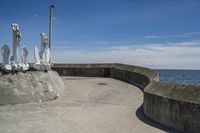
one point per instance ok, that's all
(50, 28)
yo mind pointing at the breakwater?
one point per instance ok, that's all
(173, 105)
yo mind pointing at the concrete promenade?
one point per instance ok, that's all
(88, 105)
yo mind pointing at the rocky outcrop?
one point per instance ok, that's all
(30, 86)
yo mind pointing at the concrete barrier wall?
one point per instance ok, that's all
(176, 106)
(134, 78)
(86, 70)
(135, 75)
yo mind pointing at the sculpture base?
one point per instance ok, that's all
(14, 67)
(32, 86)
(40, 67)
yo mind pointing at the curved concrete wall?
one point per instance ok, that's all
(176, 106)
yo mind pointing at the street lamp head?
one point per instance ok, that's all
(52, 6)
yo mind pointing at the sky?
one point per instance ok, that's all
(150, 33)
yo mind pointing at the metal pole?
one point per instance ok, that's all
(50, 26)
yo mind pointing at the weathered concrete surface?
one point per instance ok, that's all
(31, 86)
(173, 105)
(88, 105)
(85, 70)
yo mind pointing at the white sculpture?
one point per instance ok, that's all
(48, 56)
(16, 63)
(16, 43)
(42, 57)
(24, 62)
(5, 51)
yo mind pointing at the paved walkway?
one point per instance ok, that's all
(88, 105)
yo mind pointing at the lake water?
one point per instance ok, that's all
(191, 77)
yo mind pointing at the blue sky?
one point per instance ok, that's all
(152, 33)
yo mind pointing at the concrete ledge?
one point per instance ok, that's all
(176, 106)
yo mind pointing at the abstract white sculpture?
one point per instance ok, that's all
(24, 62)
(42, 57)
(16, 64)
(48, 56)
(5, 51)
(16, 43)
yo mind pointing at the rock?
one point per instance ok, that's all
(40, 67)
(31, 86)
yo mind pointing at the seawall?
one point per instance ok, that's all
(173, 105)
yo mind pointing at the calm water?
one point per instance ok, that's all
(191, 77)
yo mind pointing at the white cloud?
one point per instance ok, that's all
(192, 33)
(181, 35)
(153, 37)
(35, 15)
(61, 47)
(102, 42)
(184, 55)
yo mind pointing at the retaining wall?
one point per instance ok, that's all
(173, 105)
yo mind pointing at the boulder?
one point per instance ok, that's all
(30, 86)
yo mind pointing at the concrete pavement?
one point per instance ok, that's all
(88, 105)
